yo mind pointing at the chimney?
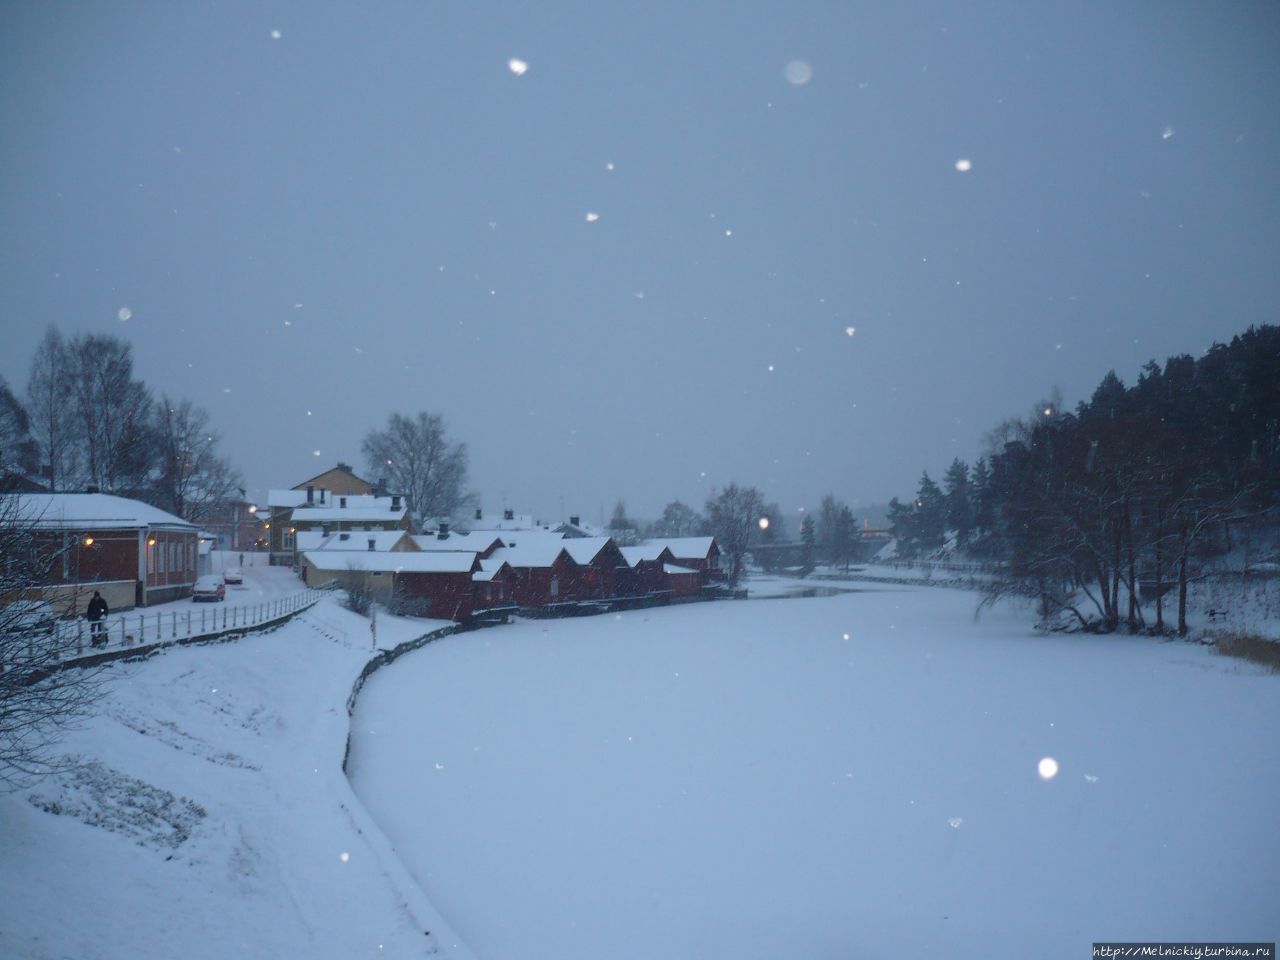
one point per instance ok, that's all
(444, 530)
(395, 502)
(381, 489)
(344, 466)
(479, 514)
(324, 529)
(342, 503)
(323, 491)
(508, 514)
(311, 494)
(373, 543)
(91, 488)
(576, 521)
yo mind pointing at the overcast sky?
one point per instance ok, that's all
(688, 244)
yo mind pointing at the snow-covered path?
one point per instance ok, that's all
(846, 776)
(210, 817)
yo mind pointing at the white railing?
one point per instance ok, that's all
(74, 638)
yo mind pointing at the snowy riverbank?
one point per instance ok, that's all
(210, 817)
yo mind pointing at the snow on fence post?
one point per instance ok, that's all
(188, 623)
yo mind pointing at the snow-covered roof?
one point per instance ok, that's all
(579, 529)
(495, 521)
(673, 568)
(94, 511)
(286, 498)
(642, 551)
(687, 546)
(537, 553)
(475, 542)
(486, 573)
(584, 549)
(349, 514)
(386, 562)
(349, 539)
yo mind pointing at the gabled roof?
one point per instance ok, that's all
(487, 573)
(475, 542)
(93, 511)
(385, 562)
(347, 540)
(584, 550)
(336, 468)
(535, 554)
(644, 551)
(688, 546)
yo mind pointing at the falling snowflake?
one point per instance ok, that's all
(1047, 768)
(1166, 133)
(276, 34)
(610, 167)
(315, 453)
(517, 66)
(592, 216)
(771, 368)
(124, 313)
(850, 331)
(964, 165)
(1090, 778)
(954, 821)
(728, 233)
(798, 73)
(344, 856)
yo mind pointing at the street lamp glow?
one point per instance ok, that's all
(764, 523)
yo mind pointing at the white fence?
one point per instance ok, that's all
(75, 638)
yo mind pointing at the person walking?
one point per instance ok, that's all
(97, 613)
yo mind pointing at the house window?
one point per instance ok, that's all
(287, 536)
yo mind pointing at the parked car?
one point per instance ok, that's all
(233, 575)
(209, 587)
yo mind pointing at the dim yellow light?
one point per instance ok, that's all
(151, 542)
(88, 541)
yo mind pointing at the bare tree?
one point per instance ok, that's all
(39, 696)
(193, 480)
(734, 515)
(112, 411)
(48, 402)
(418, 459)
(678, 520)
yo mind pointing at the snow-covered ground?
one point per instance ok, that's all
(846, 776)
(209, 817)
(843, 776)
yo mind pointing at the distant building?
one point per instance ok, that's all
(312, 505)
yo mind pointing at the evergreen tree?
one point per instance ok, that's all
(931, 514)
(958, 501)
(806, 546)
